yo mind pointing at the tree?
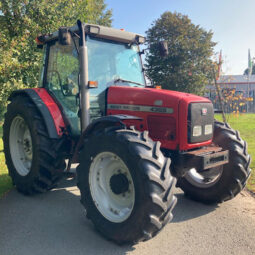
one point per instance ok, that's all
(188, 65)
(21, 21)
(246, 70)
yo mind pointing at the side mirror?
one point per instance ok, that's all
(64, 36)
(163, 48)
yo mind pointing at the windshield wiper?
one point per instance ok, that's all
(127, 81)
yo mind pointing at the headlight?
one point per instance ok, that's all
(208, 129)
(197, 130)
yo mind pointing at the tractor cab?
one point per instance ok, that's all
(111, 60)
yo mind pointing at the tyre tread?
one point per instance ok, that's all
(156, 173)
(46, 176)
(231, 140)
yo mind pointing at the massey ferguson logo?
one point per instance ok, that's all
(204, 111)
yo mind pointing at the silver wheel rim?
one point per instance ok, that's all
(204, 179)
(114, 207)
(20, 144)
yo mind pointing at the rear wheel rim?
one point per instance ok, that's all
(21, 147)
(204, 179)
(115, 202)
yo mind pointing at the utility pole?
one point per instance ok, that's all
(215, 78)
(250, 65)
(220, 97)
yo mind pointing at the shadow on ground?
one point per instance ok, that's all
(55, 223)
(50, 223)
(187, 209)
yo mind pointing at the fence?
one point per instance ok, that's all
(233, 100)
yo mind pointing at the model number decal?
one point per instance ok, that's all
(140, 108)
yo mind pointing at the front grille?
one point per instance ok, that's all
(198, 117)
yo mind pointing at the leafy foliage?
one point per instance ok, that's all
(246, 70)
(188, 65)
(21, 21)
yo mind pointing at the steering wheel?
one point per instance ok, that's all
(67, 88)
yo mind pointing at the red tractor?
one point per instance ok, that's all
(93, 107)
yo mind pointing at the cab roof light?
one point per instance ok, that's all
(94, 29)
(140, 39)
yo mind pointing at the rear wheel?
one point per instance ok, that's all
(221, 183)
(32, 161)
(126, 185)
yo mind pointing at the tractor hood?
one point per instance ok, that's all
(164, 113)
(150, 97)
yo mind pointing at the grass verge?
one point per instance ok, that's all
(5, 180)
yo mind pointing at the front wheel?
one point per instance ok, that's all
(126, 185)
(221, 183)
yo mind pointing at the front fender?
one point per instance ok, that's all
(108, 121)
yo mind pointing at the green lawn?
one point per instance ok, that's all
(245, 123)
(5, 180)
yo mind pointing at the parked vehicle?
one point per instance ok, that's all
(131, 141)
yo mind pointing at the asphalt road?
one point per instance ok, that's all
(55, 223)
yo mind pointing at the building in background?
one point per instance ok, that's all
(238, 92)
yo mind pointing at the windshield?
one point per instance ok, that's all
(113, 63)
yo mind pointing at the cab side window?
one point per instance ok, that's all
(63, 68)
(62, 80)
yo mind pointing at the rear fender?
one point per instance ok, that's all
(48, 108)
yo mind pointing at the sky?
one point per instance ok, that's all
(232, 22)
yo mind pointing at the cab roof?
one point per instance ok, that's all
(109, 33)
